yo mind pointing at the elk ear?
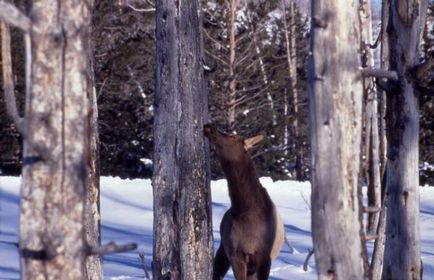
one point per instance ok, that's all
(252, 142)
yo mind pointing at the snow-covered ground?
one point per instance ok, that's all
(127, 217)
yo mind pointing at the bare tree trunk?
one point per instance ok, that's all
(182, 205)
(52, 238)
(291, 55)
(264, 73)
(402, 248)
(92, 207)
(335, 106)
(231, 103)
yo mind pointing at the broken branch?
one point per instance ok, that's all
(111, 248)
(306, 261)
(379, 73)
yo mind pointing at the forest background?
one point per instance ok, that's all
(255, 83)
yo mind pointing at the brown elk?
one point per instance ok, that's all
(251, 230)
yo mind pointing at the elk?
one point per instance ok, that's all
(251, 230)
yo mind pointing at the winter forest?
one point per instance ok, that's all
(220, 139)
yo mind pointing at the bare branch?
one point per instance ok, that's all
(111, 248)
(8, 89)
(220, 44)
(306, 261)
(216, 57)
(140, 9)
(143, 261)
(379, 73)
(292, 249)
(11, 15)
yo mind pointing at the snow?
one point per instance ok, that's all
(127, 217)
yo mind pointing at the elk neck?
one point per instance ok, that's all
(243, 183)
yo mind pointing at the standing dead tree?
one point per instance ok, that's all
(335, 100)
(56, 133)
(402, 247)
(182, 204)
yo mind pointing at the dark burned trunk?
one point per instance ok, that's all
(402, 248)
(182, 209)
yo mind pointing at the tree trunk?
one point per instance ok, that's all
(231, 104)
(378, 253)
(92, 207)
(402, 247)
(335, 101)
(371, 120)
(291, 56)
(52, 239)
(182, 205)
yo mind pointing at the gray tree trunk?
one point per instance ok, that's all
(182, 204)
(335, 104)
(402, 247)
(52, 237)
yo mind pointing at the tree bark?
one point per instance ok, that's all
(182, 208)
(291, 58)
(231, 104)
(371, 120)
(52, 238)
(92, 224)
(335, 104)
(402, 247)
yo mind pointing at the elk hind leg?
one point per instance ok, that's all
(264, 269)
(221, 264)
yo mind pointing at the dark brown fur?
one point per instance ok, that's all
(249, 228)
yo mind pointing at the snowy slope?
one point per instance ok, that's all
(127, 217)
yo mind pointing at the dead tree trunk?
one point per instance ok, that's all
(402, 248)
(92, 214)
(291, 58)
(335, 104)
(56, 133)
(182, 208)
